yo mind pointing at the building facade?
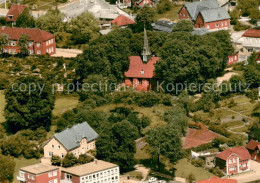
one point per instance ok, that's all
(251, 40)
(94, 172)
(77, 140)
(233, 161)
(254, 148)
(140, 74)
(40, 42)
(39, 173)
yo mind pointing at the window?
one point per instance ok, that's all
(10, 16)
(234, 160)
(217, 24)
(30, 43)
(208, 27)
(68, 176)
(232, 168)
(50, 174)
(55, 181)
(32, 177)
(225, 22)
(47, 51)
(46, 43)
(29, 176)
(222, 24)
(50, 154)
(50, 181)
(38, 52)
(38, 45)
(31, 52)
(55, 173)
(62, 155)
(14, 51)
(21, 174)
(52, 146)
(13, 43)
(230, 161)
(142, 72)
(58, 146)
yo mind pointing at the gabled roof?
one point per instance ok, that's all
(195, 7)
(71, 137)
(212, 15)
(139, 69)
(217, 180)
(34, 34)
(252, 144)
(242, 152)
(122, 20)
(252, 33)
(15, 11)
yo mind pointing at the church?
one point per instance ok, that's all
(140, 74)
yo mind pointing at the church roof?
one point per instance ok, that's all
(140, 69)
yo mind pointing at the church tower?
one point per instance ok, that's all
(146, 51)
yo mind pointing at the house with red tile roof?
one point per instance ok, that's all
(233, 161)
(254, 147)
(122, 21)
(142, 3)
(14, 12)
(250, 40)
(40, 41)
(217, 180)
(140, 74)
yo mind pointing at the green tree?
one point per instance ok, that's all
(183, 25)
(145, 17)
(165, 141)
(4, 40)
(25, 19)
(6, 168)
(23, 43)
(69, 160)
(52, 21)
(83, 158)
(29, 108)
(56, 160)
(163, 6)
(83, 28)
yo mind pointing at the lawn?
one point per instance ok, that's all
(64, 103)
(172, 14)
(2, 106)
(184, 168)
(22, 163)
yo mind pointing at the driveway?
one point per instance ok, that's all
(251, 176)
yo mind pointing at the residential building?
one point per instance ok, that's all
(122, 21)
(77, 140)
(233, 161)
(233, 58)
(222, 3)
(140, 74)
(39, 173)
(14, 12)
(254, 147)
(251, 40)
(40, 41)
(217, 180)
(97, 171)
(163, 26)
(206, 14)
(142, 3)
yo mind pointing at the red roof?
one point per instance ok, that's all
(122, 20)
(217, 180)
(252, 33)
(198, 137)
(34, 34)
(139, 69)
(252, 144)
(15, 11)
(242, 152)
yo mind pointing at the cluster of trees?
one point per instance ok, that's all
(7, 169)
(70, 160)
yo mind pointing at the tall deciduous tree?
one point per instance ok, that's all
(4, 40)
(29, 107)
(23, 43)
(165, 141)
(25, 19)
(7, 165)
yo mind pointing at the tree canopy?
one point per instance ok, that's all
(6, 168)
(25, 19)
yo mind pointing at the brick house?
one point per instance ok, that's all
(233, 161)
(122, 21)
(40, 41)
(217, 180)
(254, 147)
(233, 58)
(77, 140)
(206, 14)
(97, 171)
(39, 173)
(140, 74)
(14, 12)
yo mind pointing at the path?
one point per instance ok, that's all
(225, 108)
(67, 53)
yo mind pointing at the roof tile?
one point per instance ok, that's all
(242, 152)
(15, 11)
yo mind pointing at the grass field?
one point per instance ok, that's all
(2, 106)
(64, 103)
(22, 163)
(172, 14)
(184, 168)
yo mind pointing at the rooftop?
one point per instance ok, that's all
(252, 144)
(15, 11)
(252, 33)
(34, 34)
(241, 151)
(216, 14)
(164, 26)
(89, 168)
(122, 20)
(39, 168)
(217, 180)
(71, 137)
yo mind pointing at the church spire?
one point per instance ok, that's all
(146, 51)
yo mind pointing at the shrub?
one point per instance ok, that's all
(56, 160)
(216, 172)
(198, 162)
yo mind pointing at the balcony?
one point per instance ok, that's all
(20, 178)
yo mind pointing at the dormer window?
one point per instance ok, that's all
(142, 72)
(10, 16)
